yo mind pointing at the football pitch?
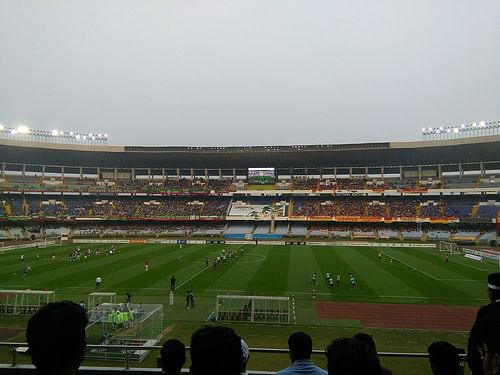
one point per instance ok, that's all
(400, 277)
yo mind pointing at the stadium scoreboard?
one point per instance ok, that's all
(261, 176)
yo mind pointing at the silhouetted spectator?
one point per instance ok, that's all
(300, 345)
(173, 357)
(490, 348)
(443, 358)
(348, 356)
(215, 350)
(245, 356)
(475, 336)
(368, 339)
(56, 338)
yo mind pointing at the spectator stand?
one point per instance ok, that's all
(24, 302)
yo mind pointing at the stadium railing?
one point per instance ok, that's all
(14, 368)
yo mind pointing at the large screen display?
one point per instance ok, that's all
(261, 176)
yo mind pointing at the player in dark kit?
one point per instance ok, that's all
(476, 336)
(172, 283)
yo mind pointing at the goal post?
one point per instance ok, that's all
(45, 242)
(449, 247)
(262, 309)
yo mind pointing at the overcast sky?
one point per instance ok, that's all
(254, 72)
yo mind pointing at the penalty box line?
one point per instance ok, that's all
(428, 274)
(413, 267)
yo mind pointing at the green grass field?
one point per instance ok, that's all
(404, 275)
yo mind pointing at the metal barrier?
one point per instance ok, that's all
(15, 369)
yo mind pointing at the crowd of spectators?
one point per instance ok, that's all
(103, 206)
(305, 184)
(149, 184)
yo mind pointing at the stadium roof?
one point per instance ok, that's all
(463, 150)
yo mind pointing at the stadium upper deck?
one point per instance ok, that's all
(464, 151)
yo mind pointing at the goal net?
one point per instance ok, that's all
(123, 324)
(24, 302)
(48, 242)
(262, 309)
(449, 247)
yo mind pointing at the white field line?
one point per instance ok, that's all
(412, 267)
(484, 269)
(192, 277)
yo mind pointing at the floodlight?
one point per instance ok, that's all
(93, 138)
(455, 130)
(441, 128)
(99, 135)
(84, 137)
(2, 127)
(71, 133)
(430, 129)
(481, 124)
(448, 130)
(55, 132)
(438, 131)
(78, 136)
(474, 125)
(22, 129)
(423, 129)
(105, 135)
(462, 126)
(13, 131)
(90, 135)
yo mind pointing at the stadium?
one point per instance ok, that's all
(256, 235)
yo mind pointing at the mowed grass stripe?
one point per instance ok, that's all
(438, 291)
(303, 264)
(378, 275)
(163, 265)
(463, 278)
(84, 272)
(238, 277)
(46, 271)
(362, 269)
(272, 276)
(209, 278)
(11, 263)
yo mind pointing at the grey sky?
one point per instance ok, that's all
(230, 72)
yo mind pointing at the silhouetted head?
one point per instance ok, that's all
(56, 338)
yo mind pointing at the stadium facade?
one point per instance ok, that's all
(299, 190)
